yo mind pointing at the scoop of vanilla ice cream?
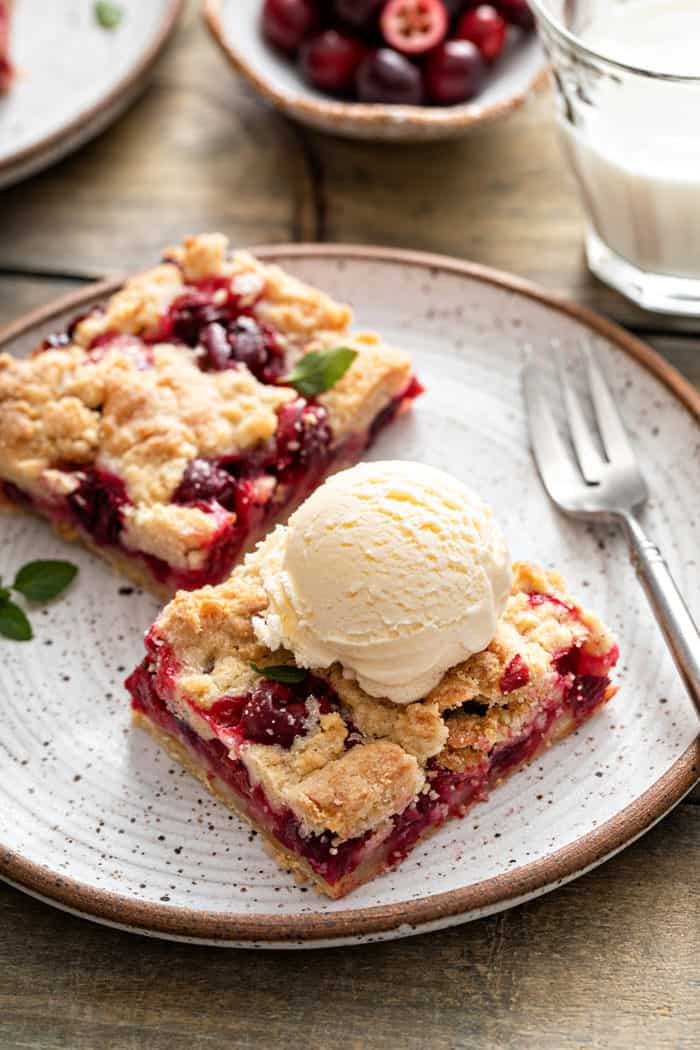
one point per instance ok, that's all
(394, 569)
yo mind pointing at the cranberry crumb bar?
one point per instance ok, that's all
(6, 69)
(161, 430)
(341, 785)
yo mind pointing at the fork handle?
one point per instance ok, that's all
(670, 610)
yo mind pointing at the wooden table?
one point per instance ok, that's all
(610, 961)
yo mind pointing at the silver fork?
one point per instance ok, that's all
(609, 488)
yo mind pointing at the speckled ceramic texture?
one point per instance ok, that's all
(95, 817)
(73, 76)
(235, 25)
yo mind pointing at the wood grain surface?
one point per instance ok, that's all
(607, 962)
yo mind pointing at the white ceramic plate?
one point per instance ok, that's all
(74, 77)
(235, 25)
(95, 818)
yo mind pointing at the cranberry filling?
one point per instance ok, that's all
(204, 481)
(414, 389)
(515, 676)
(210, 316)
(303, 435)
(579, 661)
(96, 505)
(447, 794)
(587, 692)
(15, 495)
(272, 713)
(586, 675)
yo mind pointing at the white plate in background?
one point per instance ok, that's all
(74, 77)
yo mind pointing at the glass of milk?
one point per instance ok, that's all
(627, 84)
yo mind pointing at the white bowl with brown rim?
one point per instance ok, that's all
(235, 26)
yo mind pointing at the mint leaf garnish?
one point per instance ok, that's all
(320, 370)
(40, 581)
(282, 673)
(13, 623)
(109, 15)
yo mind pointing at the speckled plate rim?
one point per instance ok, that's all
(90, 121)
(418, 120)
(436, 910)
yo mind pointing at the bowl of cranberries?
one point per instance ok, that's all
(395, 69)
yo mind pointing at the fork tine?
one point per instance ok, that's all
(550, 453)
(613, 434)
(589, 459)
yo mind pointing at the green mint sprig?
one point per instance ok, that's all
(39, 581)
(108, 15)
(319, 370)
(283, 673)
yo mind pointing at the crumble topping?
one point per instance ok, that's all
(347, 796)
(355, 401)
(142, 424)
(178, 535)
(289, 304)
(163, 417)
(137, 308)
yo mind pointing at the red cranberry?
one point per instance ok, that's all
(204, 481)
(97, 504)
(486, 28)
(226, 344)
(303, 434)
(386, 76)
(227, 711)
(515, 676)
(272, 715)
(190, 313)
(217, 350)
(517, 12)
(454, 72)
(414, 26)
(358, 13)
(329, 61)
(287, 22)
(248, 343)
(587, 692)
(598, 663)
